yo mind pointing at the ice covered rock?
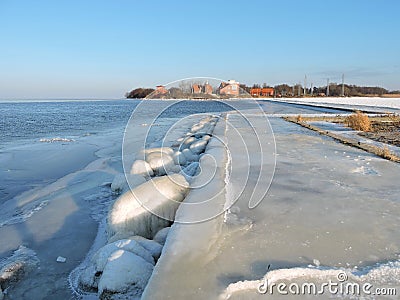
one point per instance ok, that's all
(198, 146)
(120, 184)
(206, 137)
(179, 158)
(197, 127)
(190, 171)
(125, 273)
(147, 208)
(1, 294)
(161, 236)
(141, 167)
(99, 259)
(89, 278)
(189, 155)
(152, 246)
(160, 162)
(187, 142)
(15, 267)
(142, 154)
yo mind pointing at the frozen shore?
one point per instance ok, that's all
(58, 213)
(320, 217)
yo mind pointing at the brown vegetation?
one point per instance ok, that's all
(387, 154)
(358, 121)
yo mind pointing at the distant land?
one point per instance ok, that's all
(264, 90)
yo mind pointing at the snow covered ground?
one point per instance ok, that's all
(370, 102)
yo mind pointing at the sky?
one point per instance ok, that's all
(102, 49)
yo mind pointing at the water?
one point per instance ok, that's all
(35, 120)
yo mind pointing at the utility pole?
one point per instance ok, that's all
(327, 87)
(299, 88)
(343, 85)
(305, 86)
(312, 89)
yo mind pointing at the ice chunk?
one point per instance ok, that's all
(124, 273)
(160, 162)
(147, 208)
(120, 184)
(61, 259)
(141, 167)
(161, 236)
(316, 262)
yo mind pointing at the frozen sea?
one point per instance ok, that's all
(328, 205)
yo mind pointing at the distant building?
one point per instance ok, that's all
(161, 90)
(197, 88)
(202, 89)
(208, 89)
(230, 88)
(262, 92)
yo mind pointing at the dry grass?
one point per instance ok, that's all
(386, 153)
(299, 119)
(358, 121)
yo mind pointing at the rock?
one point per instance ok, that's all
(124, 273)
(18, 265)
(99, 259)
(147, 208)
(198, 147)
(190, 171)
(189, 155)
(187, 142)
(90, 277)
(179, 158)
(142, 154)
(161, 236)
(141, 167)
(150, 245)
(120, 183)
(160, 162)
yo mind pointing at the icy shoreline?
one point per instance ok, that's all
(133, 235)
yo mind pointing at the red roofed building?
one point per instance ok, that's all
(208, 89)
(262, 92)
(230, 88)
(161, 90)
(196, 88)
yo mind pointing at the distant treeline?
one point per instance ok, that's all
(285, 90)
(139, 93)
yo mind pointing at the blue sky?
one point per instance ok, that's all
(101, 49)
